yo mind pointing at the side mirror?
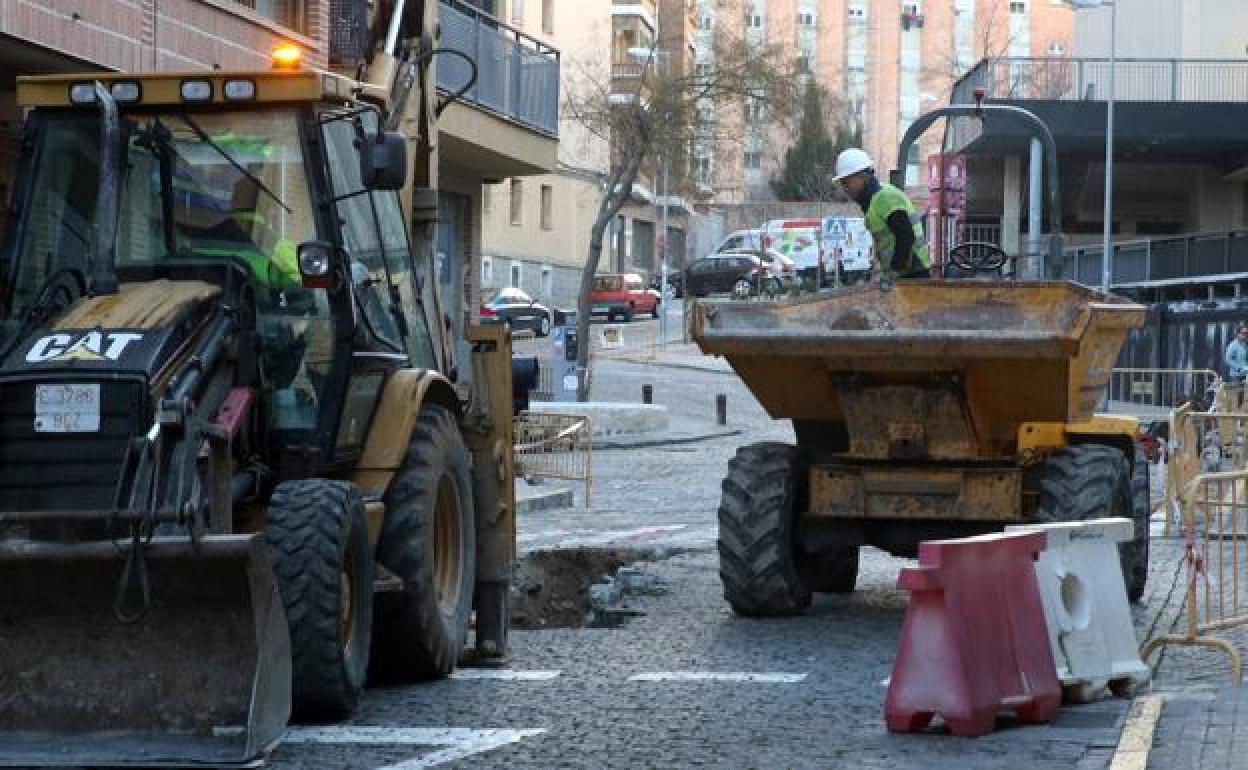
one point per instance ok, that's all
(320, 264)
(383, 161)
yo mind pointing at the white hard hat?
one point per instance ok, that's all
(851, 161)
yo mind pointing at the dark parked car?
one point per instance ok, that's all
(519, 310)
(736, 273)
(675, 282)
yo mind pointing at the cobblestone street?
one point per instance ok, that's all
(791, 692)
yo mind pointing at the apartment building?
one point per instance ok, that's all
(884, 62)
(535, 230)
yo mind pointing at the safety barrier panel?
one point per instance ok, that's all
(1203, 442)
(1151, 394)
(555, 446)
(1214, 510)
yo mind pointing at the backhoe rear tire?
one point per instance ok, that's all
(318, 538)
(758, 558)
(1094, 481)
(428, 540)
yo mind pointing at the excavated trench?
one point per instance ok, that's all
(581, 587)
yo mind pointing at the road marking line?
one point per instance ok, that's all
(503, 673)
(718, 676)
(461, 742)
(1137, 734)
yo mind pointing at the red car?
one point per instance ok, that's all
(622, 295)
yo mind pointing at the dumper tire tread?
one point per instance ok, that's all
(1135, 554)
(1089, 481)
(413, 639)
(312, 527)
(758, 559)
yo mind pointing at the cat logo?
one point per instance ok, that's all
(92, 346)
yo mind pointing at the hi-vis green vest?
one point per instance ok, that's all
(887, 200)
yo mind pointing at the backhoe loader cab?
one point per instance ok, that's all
(225, 421)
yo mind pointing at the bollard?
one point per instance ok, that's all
(721, 409)
(647, 394)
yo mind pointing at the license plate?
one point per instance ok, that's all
(67, 408)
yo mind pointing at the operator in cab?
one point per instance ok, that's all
(891, 218)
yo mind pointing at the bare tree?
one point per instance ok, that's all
(663, 108)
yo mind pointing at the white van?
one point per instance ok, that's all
(741, 239)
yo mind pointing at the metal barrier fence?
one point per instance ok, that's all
(517, 75)
(1214, 510)
(1201, 443)
(1167, 258)
(636, 343)
(1151, 394)
(555, 446)
(1086, 79)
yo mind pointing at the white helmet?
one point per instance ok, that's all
(851, 161)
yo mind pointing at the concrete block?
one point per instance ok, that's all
(1089, 620)
(614, 419)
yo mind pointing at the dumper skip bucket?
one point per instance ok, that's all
(202, 678)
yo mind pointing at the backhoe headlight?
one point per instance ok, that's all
(125, 91)
(239, 90)
(316, 264)
(196, 90)
(82, 93)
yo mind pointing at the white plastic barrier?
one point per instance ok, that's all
(1085, 606)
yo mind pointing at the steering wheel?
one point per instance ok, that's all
(978, 255)
(59, 292)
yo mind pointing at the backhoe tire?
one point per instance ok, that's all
(1091, 481)
(758, 558)
(318, 538)
(428, 541)
(832, 570)
(1135, 557)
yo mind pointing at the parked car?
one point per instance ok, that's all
(734, 272)
(622, 295)
(675, 282)
(779, 266)
(513, 307)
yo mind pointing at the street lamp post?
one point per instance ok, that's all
(1107, 249)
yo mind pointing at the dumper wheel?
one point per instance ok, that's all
(318, 537)
(428, 541)
(758, 560)
(1135, 554)
(1091, 481)
(832, 570)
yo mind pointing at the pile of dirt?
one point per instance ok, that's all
(552, 588)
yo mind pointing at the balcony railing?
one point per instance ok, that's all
(1163, 261)
(517, 75)
(1136, 80)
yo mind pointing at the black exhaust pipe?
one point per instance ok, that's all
(104, 267)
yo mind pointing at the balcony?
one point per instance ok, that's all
(517, 75)
(1171, 261)
(1167, 109)
(1136, 80)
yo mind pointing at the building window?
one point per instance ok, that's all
(548, 206)
(517, 272)
(288, 13)
(857, 12)
(517, 202)
(806, 19)
(548, 282)
(754, 21)
(803, 63)
(912, 9)
(1018, 7)
(754, 111)
(487, 273)
(753, 160)
(517, 12)
(1056, 48)
(703, 70)
(487, 202)
(548, 17)
(706, 22)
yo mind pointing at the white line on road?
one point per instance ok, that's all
(718, 676)
(461, 742)
(503, 673)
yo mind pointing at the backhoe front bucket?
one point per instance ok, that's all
(202, 678)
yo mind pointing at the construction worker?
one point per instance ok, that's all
(1236, 356)
(891, 218)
